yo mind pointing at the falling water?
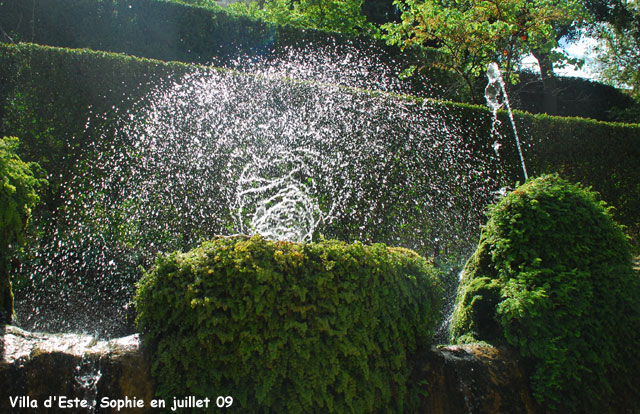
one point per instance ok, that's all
(87, 376)
(494, 89)
(359, 66)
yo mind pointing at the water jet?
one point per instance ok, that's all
(494, 89)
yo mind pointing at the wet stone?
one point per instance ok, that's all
(474, 379)
(69, 372)
(75, 368)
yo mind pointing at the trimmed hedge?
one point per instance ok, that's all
(576, 97)
(285, 327)
(82, 83)
(553, 277)
(157, 29)
(173, 31)
(170, 30)
(49, 94)
(18, 186)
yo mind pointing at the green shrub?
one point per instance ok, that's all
(18, 196)
(552, 276)
(289, 328)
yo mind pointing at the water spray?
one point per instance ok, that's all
(491, 93)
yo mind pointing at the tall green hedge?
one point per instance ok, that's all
(48, 95)
(82, 83)
(157, 29)
(171, 30)
(576, 97)
(553, 277)
(290, 328)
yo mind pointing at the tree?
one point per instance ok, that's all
(474, 33)
(618, 55)
(344, 16)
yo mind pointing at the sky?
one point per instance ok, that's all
(581, 49)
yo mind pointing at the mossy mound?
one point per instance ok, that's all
(290, 328)
(553, 276)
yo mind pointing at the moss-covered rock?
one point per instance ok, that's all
(285, 327)
(553, 277)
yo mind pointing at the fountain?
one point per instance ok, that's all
(282, 207)
(215, 152)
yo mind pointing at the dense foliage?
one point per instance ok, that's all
(18, 186)
(286, 327)
(473, 33)
(340, 16)
(552, 276)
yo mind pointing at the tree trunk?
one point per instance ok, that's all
(549, 86)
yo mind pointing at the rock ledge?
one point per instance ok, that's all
(38, 366)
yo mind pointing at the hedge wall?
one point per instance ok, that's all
(156, 29)
(576, 97)
(414, 172)
(173, 31)
(49, 94)
(286, 327)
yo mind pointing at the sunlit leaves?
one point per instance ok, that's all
(287, 327)
(473, 33)
(18, 193)
(342, 16)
